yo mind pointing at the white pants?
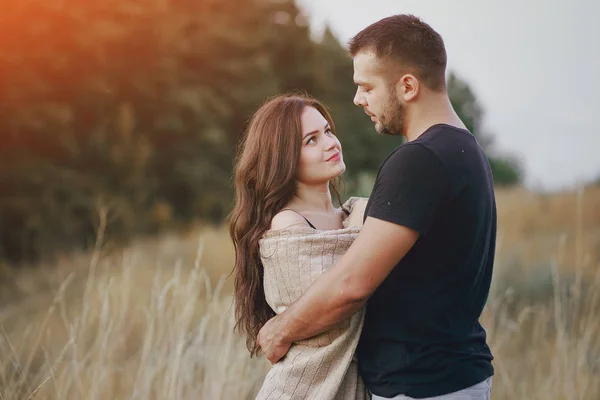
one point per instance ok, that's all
(480, 391)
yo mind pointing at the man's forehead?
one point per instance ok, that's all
(366, 69)
(368, 62)
(365, 57)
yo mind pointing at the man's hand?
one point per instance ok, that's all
(271, 341)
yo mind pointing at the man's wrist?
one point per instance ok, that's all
(283, 334)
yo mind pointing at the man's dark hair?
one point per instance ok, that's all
(408, 42)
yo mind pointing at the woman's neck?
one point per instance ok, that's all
(313, 198)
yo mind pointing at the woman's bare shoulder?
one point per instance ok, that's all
(286, 219)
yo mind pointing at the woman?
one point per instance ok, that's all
(287, 232)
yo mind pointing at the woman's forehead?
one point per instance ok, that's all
(312, 120)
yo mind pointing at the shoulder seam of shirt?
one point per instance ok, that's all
(441, 163)
(426, 148)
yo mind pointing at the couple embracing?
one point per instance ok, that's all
(380, 297)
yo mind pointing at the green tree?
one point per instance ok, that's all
(132, 104)
(137, 107)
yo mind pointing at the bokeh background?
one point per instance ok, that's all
(119, 122)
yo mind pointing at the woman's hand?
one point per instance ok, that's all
(356, 217)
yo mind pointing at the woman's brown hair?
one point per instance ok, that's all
(264, 182)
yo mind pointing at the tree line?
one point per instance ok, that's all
(136, 107)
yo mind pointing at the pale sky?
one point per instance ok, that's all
(534, 66)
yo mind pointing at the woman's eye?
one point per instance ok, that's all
(312, 140)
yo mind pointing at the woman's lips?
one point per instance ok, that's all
(335, 157)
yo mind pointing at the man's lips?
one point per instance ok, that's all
(373, 117)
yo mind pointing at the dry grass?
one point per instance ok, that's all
(542, 318)
(155, 322)
(533, 226)
(127, 327)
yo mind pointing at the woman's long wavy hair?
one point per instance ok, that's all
(264, 182)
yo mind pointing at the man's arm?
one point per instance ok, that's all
(342, 290)
(410, 188)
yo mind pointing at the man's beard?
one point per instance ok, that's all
(392, 120)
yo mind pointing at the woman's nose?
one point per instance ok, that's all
(330, 143)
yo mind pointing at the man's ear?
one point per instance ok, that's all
(408, 87)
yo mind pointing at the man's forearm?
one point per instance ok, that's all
(327, 302)
(345, 288)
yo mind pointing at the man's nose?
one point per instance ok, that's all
(359, 100)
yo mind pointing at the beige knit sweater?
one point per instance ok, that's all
(322, 367)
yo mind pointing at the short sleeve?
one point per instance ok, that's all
(410, 188)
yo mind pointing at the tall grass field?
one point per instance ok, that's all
(155, 320)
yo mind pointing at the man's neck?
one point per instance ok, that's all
(437, 110)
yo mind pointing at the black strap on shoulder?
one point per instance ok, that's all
(307, 221)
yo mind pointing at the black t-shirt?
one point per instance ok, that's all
(422, 336)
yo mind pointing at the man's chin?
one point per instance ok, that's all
(382, 130)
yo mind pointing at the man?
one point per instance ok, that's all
(425, 254)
